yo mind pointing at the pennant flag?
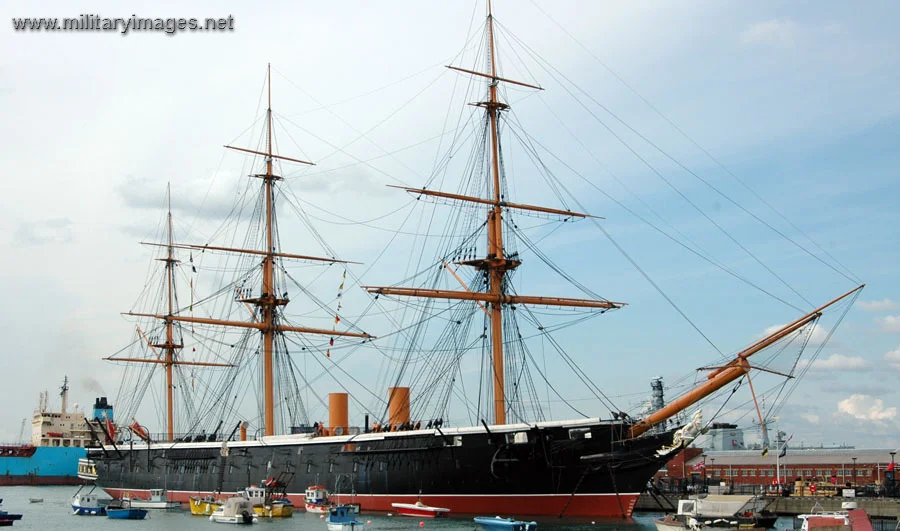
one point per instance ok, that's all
(784, 448)
(328, 353)
(331, 342)
(765, 451)
(337, 319)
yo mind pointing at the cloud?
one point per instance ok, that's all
(200, 198)
(817, 337)
(771, 32)
(893, 358)
(866, 408)
(885, 305)
(891, 323)
(838, 362)
(811, 418)
(842, 385)
(40, 232)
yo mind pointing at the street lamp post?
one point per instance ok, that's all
(893, 475)
(854, 471)
(705, 482)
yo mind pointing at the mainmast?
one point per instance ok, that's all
(268, 301)
(495, 265)
(497, 269)
(170, 345)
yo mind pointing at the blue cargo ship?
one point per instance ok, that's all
(58, 440)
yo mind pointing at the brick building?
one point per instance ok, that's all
(859, 467)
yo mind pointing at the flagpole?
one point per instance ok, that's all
(778, 468)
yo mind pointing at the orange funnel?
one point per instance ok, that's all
(337, 414)
(398, 408)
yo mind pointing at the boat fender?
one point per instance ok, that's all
(246, 516)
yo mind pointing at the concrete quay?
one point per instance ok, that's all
(787, 506)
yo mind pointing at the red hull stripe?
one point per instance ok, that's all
(597, 505)
(8, 481)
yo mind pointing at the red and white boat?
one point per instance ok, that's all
(317, 500)
(420, 510)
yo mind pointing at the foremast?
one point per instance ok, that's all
(495, 264)
(268, 301)
(170, 347)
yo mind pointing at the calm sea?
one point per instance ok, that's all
(55, 513)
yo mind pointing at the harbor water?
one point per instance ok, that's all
(55, 513)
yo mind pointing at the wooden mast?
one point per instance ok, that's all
(733, 370)
(268, 299)
(170, 344)
(495, 265)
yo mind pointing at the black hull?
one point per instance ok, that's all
(578, 468)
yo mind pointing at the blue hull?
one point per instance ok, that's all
(88, 511)
(126, 514)
(504, 524)
(49, 465)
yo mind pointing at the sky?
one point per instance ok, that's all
(792, 111)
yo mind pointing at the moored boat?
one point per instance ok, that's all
(203, 505)
(420, 510)
(7, 518)
(851, 519)
(235, 510)
(716, 511)
(122, 510)
(343, 518)
(88, 504)
(497, 523)
(316, 499)
(158, 499)
(269, 500)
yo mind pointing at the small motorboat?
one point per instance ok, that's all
(850, 517)
(317, 499)
(343, 518)
(7, 519)
(420, 510)
(35, 500)
(158, 500)
(122, 510)
(270, 499)
(87, 504)
(204, 506)
(235, 510)
(279, 508)
(497, 523)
